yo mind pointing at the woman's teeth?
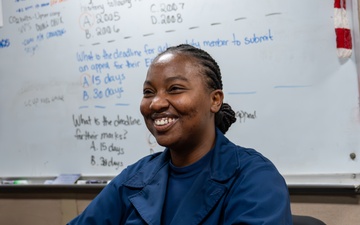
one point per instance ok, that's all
(163, 121)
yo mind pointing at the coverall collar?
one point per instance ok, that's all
(208, 188)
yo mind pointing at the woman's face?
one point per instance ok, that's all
(177, 106)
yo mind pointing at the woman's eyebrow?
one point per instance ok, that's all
(177, 77)
(169, 79)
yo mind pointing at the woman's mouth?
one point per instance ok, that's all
(163, 121)
(163, 124)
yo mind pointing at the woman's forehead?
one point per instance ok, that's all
(165, 58)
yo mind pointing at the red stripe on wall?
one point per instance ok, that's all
(340, 4)
(343, 38)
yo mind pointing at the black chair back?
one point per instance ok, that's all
(306, 220)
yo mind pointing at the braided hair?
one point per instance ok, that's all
(225, 116)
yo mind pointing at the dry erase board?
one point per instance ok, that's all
(72, 74)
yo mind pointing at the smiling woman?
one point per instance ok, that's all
(175, 93)
(201, 177)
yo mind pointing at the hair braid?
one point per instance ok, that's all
(225, 116)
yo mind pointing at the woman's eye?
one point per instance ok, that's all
(175, 88)
(147, 92)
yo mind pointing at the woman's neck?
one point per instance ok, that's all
(189, 154)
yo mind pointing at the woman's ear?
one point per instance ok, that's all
(217, 97)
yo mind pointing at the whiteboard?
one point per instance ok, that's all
(71, 75)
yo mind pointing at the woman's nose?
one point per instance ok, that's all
(159, 102)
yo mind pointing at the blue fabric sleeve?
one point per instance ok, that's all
(259, 196)
(105, 208)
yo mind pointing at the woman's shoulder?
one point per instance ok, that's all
(254, 164)
(248, 159)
